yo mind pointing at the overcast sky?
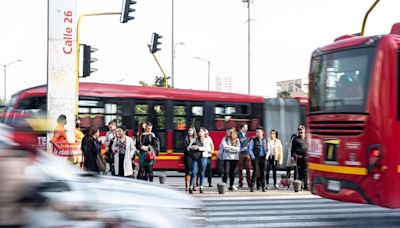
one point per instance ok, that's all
(284, 34)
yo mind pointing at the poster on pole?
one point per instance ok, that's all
(61, 66)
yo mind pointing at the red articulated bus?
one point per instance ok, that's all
(354, 119)
(171, 111)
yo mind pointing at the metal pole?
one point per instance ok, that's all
(209, 64)
(248, 47)
(172, 47)
(159, 65)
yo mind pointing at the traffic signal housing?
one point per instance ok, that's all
(155, 42)
(88, 60)
(126, 9)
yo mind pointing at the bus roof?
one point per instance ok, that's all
(349, 41)
(89, 89)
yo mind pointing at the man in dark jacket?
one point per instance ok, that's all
(299, 152)
(258, 150)
(244, 157)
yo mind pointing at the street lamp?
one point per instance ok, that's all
(209, 64)
(173, 63)
(247, 2)
(5, 77)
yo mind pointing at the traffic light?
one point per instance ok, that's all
(126, 9)
(155, 42)
(88, 60)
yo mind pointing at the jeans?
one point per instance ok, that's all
(272, 163)
(258, 171)
(244, 163)
(208, 170)
(302, 171)
(196, 165)
(203, 170)
(229, 168)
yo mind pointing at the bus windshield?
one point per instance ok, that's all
(339, 81)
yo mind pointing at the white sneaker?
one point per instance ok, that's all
(276, 186)
(234, 188)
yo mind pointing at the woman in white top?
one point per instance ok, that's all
(197, 148)
(206, 163)
(275, 157)
(124, 150)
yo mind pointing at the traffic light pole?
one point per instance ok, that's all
(159, 65)
(78, 44)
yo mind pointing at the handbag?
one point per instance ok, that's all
(150, 154)
(100, 164)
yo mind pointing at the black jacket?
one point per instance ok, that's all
(298, 147)
(90, 151)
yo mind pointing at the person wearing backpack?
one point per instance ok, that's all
(258, 150)
(149, 147)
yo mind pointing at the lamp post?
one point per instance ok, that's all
(5, 77)
(173, 63)
(247, 3)
(209, 64)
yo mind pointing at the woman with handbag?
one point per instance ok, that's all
(196, 149)
(148, 146)
(275, 157)
(187, 159)
(91, 150)
(124, 151)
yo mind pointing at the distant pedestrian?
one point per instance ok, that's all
(108, 143)
(60, 135)
(275, 158)
(210, 147)
(244, 157)
(258, 150)
(291, 161)
(231, 149)
(299, 152)
(187, 158)
(91, 149)
(149, 147)
(124, 150)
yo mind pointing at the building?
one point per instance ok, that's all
(296, 87)
(224, 83)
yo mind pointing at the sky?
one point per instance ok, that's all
(283, 35)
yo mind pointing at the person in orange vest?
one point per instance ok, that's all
(60, 135)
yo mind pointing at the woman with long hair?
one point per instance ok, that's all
(196, 149)
(187, 159)
(124, 151)
(147, 143)
(210, 148)
(275, 157)
(231, 148)
(91, 148)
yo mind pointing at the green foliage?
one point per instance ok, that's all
(283, 94)
(159, 81)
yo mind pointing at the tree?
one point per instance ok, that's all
(283, 94)
(159, 81)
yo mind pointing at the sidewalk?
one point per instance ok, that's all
(178, 184)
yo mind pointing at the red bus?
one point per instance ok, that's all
(171, 111)
(354, 119)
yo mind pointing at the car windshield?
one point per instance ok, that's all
(339, 81)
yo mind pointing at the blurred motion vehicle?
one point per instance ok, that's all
(171, 111)
(354, 119)
(43, 190)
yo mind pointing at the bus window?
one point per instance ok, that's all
(197, 116)
(141, 113)
(160, 124)
(91, 113)
(179, 118)
(231, 116)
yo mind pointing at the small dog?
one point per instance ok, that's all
(285, 182)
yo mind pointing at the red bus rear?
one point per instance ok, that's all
(353, 120)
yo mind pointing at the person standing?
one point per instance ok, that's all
(60, 135)
(244, 157)
(147, 142)
(108, 142)
(231, 149)
(197, 148)
(124, 151)
(291, 162)
(210, 146)
(258, 150)
(187, 158)
(299, 153)
(276, 156)
(91, 149)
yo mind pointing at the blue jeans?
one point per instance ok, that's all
(203, 170)
(196, 165)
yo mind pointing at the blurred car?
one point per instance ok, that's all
(57, 194)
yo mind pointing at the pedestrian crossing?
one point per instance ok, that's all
(303, 211)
